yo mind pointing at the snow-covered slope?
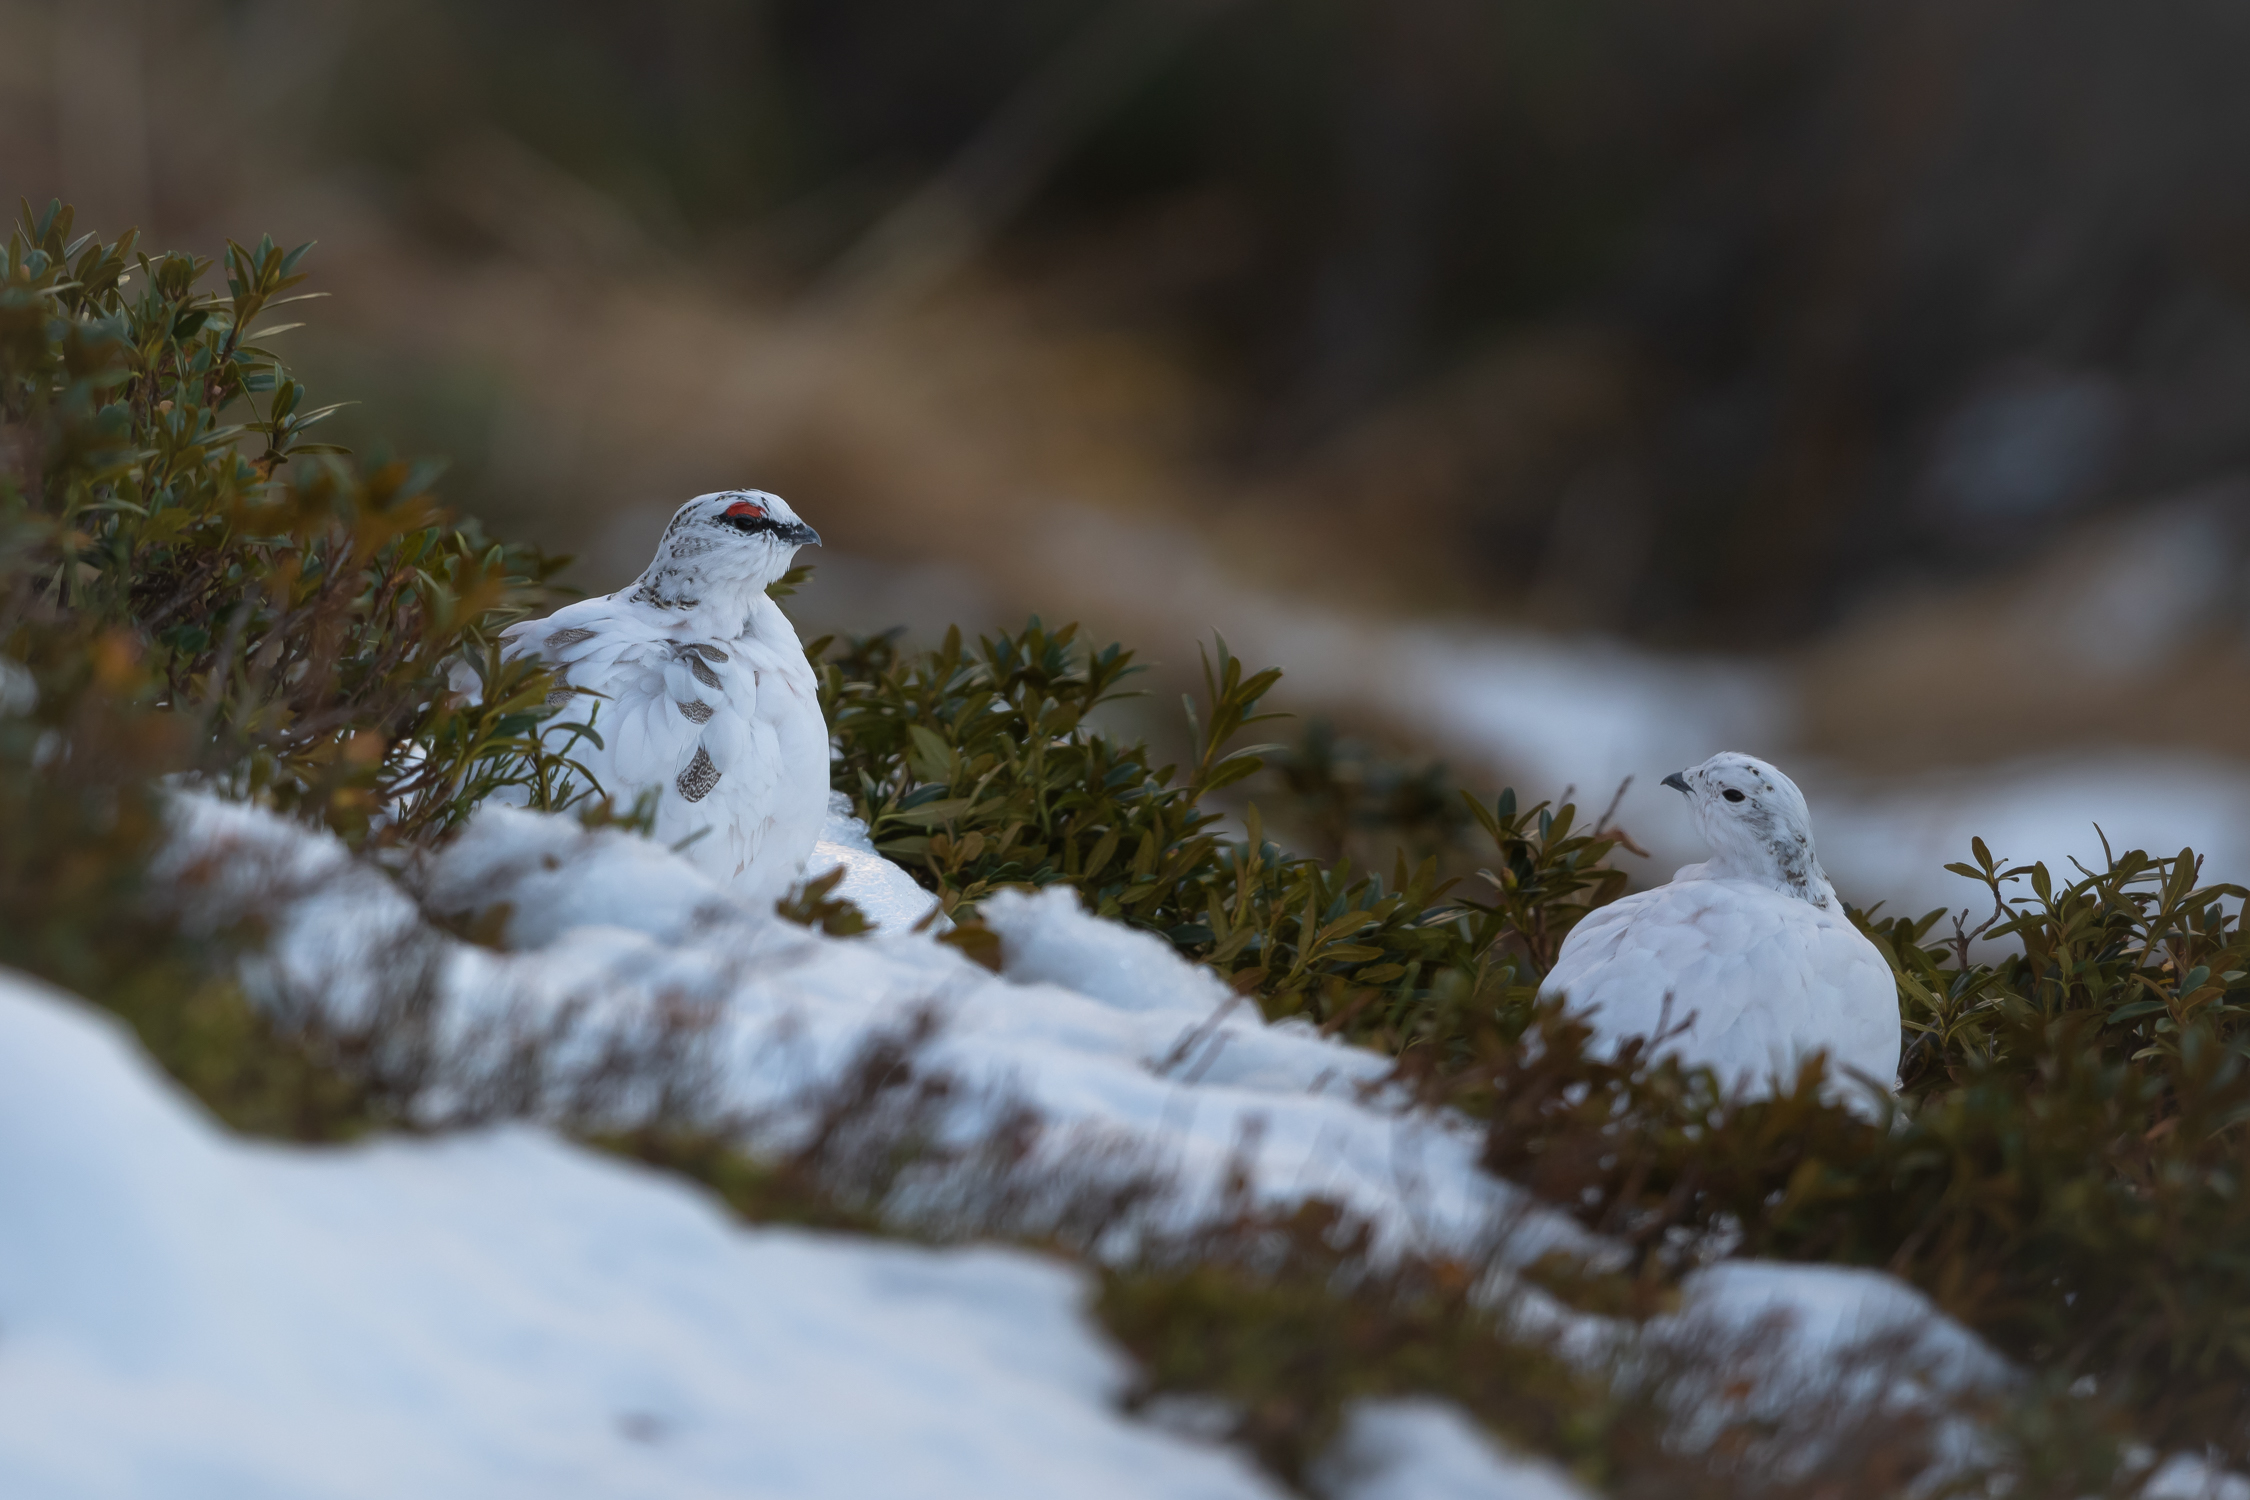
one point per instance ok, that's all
(1426, 1450)
(493, 1315)
(1096, 1027)
(497, 1312)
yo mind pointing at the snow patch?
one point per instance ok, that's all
(1817, 1315)
(557, 875)
(1893, 842)
(1427, 1450)
(2186, 1476)
(884, 893)
(1096, 1027)
(498, 1314)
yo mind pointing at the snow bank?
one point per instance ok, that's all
(1098, 1028)
(1824, 1347)
(1814, 1319)
(260, 1311)
(886, 894)
(1426, 1450)
(497, 1314)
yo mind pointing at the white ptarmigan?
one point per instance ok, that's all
(699, 688)
(1748, 957)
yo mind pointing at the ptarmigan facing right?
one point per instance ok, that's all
(1748, 957)
(701, 693)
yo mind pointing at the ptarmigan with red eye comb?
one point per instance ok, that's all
(704, 691)
(1748, 956)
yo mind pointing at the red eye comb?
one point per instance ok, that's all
(745, 508)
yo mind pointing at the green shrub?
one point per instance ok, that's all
(978, 767)
(1344, 798)
(190, 588)
(80, 821)
(155, 478)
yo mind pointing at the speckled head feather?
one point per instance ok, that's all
(722, 547)
(1757, 825)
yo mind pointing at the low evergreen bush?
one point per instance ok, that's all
(190, 588)
(978, 767)
(303, 608)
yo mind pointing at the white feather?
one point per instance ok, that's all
(679, 684)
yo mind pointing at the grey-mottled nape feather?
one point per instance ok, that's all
(1757, 825)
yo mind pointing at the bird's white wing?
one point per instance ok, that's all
(1646, 963)
(751, 794)
(669, 714)
(1867, 1035)
(1755, 978)
(781, 789)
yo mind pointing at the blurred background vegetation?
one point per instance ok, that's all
(1896, 355)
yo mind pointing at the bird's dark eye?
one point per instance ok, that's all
(1731, 795)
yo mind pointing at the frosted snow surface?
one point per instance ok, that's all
(497, 1315)
(1427, 1450)
(1840, 1338)
(883, 892)
(1096, 1027)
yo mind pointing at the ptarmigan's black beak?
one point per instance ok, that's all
(1676, 781)
(798, 534)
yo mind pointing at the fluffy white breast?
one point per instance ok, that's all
(723, 726)
(1749, 978)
